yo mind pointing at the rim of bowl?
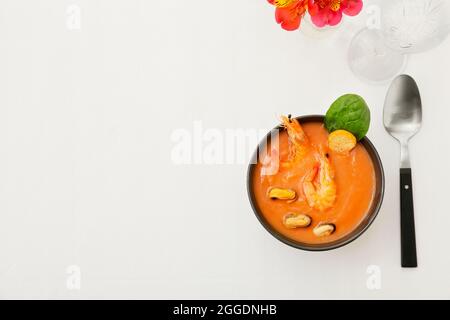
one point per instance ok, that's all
(352, 236)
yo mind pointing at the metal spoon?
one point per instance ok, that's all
(402, 118)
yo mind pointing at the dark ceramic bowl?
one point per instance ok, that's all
(362, 227)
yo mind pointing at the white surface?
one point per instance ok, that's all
(86, 176)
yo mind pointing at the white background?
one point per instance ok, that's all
(86, 176)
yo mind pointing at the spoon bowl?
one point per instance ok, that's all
(402, 115)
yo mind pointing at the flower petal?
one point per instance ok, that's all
(287, 19)
(313, 8)
(334, 17)
(320, 19)
(352, 7)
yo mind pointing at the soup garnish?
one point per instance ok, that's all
(341, 141)
(351, 113)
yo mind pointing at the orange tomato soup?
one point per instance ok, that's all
(354, 177)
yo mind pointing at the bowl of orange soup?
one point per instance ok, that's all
(309, 196)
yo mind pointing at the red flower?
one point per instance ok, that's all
(329, 12)
(289, 13)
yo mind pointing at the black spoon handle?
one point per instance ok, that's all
(408, 233)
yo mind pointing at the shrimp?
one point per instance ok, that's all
(319, 186)
(298, 141)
